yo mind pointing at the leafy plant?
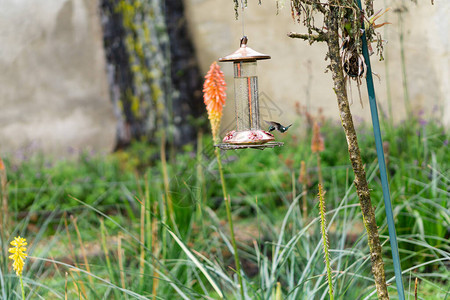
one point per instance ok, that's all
(282, 256)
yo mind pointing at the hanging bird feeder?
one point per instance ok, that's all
(248, 133)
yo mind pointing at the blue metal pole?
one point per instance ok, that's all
(382, 167)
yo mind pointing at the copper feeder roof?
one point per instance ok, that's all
(244, 53)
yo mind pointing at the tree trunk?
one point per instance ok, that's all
(153, 77)
(187, 80)
(362, 188)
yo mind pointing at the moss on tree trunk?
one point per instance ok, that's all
(152, 72)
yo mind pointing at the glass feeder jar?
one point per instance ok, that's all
(248, 131)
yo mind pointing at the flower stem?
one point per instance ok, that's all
(21, 286)
(319, 169)
(323, 225)
(230, 221)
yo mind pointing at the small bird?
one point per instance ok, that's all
(277, 126)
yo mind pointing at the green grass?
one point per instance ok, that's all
(124, 194)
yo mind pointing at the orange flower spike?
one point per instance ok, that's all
(214, 96)
(317, 144)
(302, 176)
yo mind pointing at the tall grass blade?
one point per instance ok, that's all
(197, 263)
(83, 250)
(382, 163)
(119, 254)
(106, 251)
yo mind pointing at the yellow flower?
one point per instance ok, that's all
(214, 96)
(18, 254)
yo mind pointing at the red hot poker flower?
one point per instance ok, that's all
(214, 96)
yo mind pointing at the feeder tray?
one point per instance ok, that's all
(225, 146)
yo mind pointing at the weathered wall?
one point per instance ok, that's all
(53, 92)
(296, 70)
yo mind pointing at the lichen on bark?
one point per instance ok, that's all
(152, 87)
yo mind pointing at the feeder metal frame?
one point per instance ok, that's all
(225, 146)
(247, 114)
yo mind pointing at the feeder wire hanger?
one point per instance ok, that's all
(382, 166)
(242, 14)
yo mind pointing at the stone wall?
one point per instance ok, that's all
(296, 72)
(53, 90)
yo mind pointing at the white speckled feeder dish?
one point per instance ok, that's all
(248, 137)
